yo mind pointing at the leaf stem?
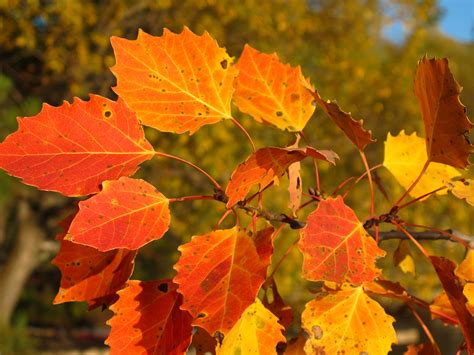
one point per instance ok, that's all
(413, 239)
(184, 161)
(423, 170)
(423, 325)
(191, 198)
(315, 162)
(245, 132)
(421, 197)
(371, 184)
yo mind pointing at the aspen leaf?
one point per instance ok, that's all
(454, 290)
(271, 91)
(127, 213)
(148, 320)
(352, 128)
(405, 156)
(347, 321)
(446, 124)
(219, 275)
(463, 190)
(175, 82)
(468, 291)
(267, 165)
(88, 274)
(256, 332)
(273, 301)
(203, 342)
(264, 244)
(466, 268)
(296, 346)
(336, 247)
(403, 259)
(442, 309)
(73, 148)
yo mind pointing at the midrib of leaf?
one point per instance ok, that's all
(435, 118)
(236, 232)
(186, 92)
(277, 101)
(351, 314)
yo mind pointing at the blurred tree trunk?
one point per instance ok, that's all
(22, 260)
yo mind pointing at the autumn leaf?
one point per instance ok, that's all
(175, 82)
(296, 346)
(88, 274)
(347, 321)
(203, 342)
(441, 308)
(463, 190)
(267, 165)
(73, 148)
(127, 213)
(352, 128)
(466, 268)
(454, 290)
(403, 258)
(446, 124)
(336, 247)
(219, 275)
(273, 301)
(264, 245)
(148, 320)
(405, 156)
(468, 291)
(256, 332)
(271, 91)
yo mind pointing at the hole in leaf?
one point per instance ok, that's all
(163, 287)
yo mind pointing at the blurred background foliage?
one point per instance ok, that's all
(51, 51)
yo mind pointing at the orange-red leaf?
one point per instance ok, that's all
(175, 82)
(148, 320)
(219, 275)
(271, 91)
(88, 274)
(203, 342)
(264, 244)
(446, 124)
(73, 148)
(349, 322)
(127, 213)
(266, 165)
(336, 246)
(353, 129)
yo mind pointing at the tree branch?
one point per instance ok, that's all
(425, 235)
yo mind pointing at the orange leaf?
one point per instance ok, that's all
(468, 291)
(73, 148)
(88, 274)
(441, 308)
(446, 124)
(127, 213)
(148, 320)
(336, 246)
(454, 290)
(264, 244)
(353, 129)
(296, 346)
(175, 82)
(219, 275)
(271, 91)
(466, 268)
(347, 321)
(266, 165)
(275, 304)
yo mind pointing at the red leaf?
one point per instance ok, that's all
(336, 246)
(203, 342)
(127, 213)
(175, 82)
(73, 148)
(264, 244)
(275, 304)
(454, 289)
(271, 91)
(219, 275)
(446, 124)
(88, 274)
(265, 165)
(353, 129)
(148, 320)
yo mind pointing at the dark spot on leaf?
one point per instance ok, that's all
(224, 64)
(201, 315)
(279, 113)
(163, 287)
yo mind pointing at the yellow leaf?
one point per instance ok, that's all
(256, 332)
(469, 293)
(407, 265)
(403, 258)
(349, 321)
(463, 189)
(466, 269)
(405, 156)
